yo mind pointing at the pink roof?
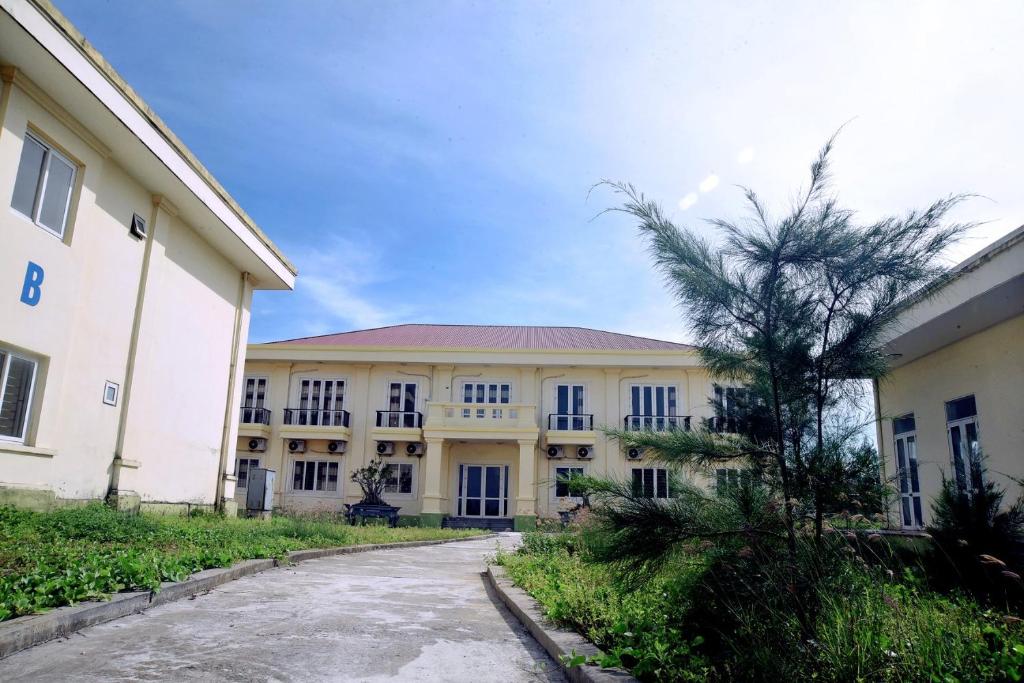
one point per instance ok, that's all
(505, 337)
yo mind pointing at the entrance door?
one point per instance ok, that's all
(483, 491)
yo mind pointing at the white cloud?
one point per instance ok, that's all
(331, 280)
(688, 201)
(709, 183)
(745, 156)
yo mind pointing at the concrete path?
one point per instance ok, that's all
(416, 614)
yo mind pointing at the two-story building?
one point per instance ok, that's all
(126, 275)
(479, 423)
(951, 406)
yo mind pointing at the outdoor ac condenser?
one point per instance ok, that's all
(259, 491)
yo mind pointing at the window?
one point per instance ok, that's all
(726, 479)
(242, 468)
(402, 405)
(485, 392)
(110, 391)
(400, 479)
(651, 482)
(17, 378)
(42, 188)
(904, 433)
(731, 404)
(254, 397)
(652, 407)
(321, 402)
(569, 415)
(964, 445)
(562, 477)
(315, 475)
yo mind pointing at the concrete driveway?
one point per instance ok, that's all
(416, 614)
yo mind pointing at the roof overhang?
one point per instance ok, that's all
(308, 353)
(43, 46)
(983, 291)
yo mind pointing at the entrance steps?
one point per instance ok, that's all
(492, 523)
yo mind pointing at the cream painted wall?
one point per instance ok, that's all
(990, 365)
(607, 397)
(80, 332)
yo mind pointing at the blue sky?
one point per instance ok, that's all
(431, 161)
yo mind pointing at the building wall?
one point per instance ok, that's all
(989, 365)
(81, 330)
(607, 398)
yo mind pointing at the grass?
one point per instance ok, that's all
(670, 626)
(70, 555)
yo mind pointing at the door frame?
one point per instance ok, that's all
(462, 484)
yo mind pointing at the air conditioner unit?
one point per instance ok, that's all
(336, 446)
(556, 452)
(257, 445)
(635, 453)
(297, 446)
(584, 452)
(414, 449)
(385, 447)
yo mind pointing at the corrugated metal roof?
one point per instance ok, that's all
(499, 337)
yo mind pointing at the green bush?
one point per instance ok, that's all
(74, 554)
(719, 614)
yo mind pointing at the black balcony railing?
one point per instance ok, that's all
(570, 423)
(399, 418)
(254, 416)
(657, 423)
(726, 424)
(315, 417)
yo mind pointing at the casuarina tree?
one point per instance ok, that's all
(795, 308)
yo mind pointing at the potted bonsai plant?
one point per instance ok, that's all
(372, 479)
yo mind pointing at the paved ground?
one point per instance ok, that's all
(416, 614)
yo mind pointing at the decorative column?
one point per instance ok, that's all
(431, 513)
(526, 500)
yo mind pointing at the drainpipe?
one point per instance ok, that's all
(236, 339)
(133, 345)
(878, 439)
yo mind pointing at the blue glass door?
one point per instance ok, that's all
(483, 490)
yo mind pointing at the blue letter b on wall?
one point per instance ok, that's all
(31, 291)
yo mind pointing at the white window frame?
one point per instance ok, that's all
(487, 384)
(414, 473)
(260, 403)
(912, 498)
(569, 423)
(582, 467)
(680, 418)
(297, 392)
(248, 468)
(659, 473)
(314, 493)
(417, 403)
(41, 183)
(4, 371)
(968, 458)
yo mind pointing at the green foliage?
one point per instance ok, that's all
(372, 479)
(979, 544)
(73, 554)
(641, 630)
(715, 613)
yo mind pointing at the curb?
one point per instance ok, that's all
(557, 641)
(34, 629)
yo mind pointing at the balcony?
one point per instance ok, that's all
(485, 421)
(656, 423)
(726, 424)
(253, 422)
(398, 425)
(314, 423)
(570, 430)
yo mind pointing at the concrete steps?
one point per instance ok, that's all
(491, 523)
